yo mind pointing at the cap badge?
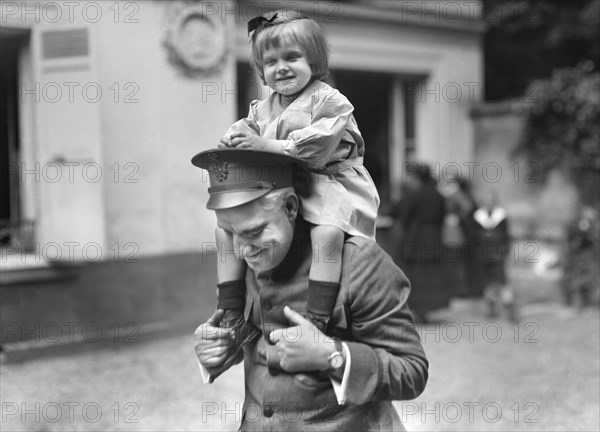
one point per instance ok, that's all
(220, 167)
(222, 172)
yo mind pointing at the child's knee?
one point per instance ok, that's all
(327, 233)
(329, 239)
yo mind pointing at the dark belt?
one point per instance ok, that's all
(340, 166)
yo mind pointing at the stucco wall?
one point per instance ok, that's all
(164, 212)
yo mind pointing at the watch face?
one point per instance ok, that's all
(337, 360)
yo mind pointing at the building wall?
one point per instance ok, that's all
(151, 294)
(142, 131)
(537, 208)
(164, 212)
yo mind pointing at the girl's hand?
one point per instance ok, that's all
(244, 140)
(250, 141)
(224, 142)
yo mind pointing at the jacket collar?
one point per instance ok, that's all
(487, 220)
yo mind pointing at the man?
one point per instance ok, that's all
(297, 378)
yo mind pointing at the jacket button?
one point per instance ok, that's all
(267, 305)
(268, 411)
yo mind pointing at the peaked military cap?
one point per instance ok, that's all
(239, 176)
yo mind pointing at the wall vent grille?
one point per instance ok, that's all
(65, 43)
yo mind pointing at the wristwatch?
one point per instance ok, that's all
(336, 359)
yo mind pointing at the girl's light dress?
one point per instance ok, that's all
(318, 127)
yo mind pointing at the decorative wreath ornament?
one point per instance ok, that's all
(195, 41)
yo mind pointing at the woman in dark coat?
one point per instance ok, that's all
(460, 238)
(421, 249)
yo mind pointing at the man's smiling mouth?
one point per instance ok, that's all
(250, 257)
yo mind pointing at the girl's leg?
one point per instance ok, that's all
(229, 268)
(230, 274)
(325, 273)
(232, 297)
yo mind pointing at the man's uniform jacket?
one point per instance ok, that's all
(387, 361)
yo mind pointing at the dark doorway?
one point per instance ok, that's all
(10, 200)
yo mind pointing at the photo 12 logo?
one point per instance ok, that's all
(63, 170)
(68, 332)
(319, 11)
(54, 92)
(55, 12)
(70, 252)
(68, 412)
(471, 412)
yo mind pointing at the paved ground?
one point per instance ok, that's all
(540, 375)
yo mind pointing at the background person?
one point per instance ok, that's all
(459, 238)
(581, 275)
(493, 247)
(421, 249)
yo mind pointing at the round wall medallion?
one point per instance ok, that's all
(195, 40)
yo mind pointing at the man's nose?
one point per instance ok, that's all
(247, 249)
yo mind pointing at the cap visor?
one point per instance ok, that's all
(227, 200)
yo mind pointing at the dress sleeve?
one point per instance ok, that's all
(248, 124)
(317, 142)
(388, 361)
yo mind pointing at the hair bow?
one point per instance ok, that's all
(256, 22)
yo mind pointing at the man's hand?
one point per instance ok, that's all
(212, 342)
(301, 347)
(242, 140)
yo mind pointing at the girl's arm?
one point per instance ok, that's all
(331, 117)
(241, 140)
(246, 125)
(245, 133)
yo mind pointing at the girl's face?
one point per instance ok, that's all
(286, 69)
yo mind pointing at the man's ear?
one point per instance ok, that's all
(291, 206)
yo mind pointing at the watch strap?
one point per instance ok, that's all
(339, 351)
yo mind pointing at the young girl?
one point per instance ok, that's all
(306, 118)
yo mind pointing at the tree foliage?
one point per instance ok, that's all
(562, 128)
(549, 51)
(546, 53)
(528, 39)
